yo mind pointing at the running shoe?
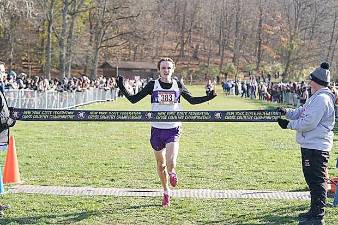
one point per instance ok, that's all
(173, 179)
(166, 200)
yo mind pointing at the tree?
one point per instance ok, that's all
(224, 30)
(11, 11)
(259, 35)
(238, 34)
(106, 29)
(299, 32)
(48, 9)
(77, 7)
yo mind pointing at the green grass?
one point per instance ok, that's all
(257, 156)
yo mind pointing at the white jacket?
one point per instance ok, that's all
(314, 121)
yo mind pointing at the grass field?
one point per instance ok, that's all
(257, 156)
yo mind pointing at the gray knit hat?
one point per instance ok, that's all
(321, 75)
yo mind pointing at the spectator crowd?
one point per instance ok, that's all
(264, 89)
(255, 88)
(12, 81)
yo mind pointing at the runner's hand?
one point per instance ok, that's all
(212, 93)
(120, 82)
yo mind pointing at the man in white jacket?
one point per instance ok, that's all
(314, 122)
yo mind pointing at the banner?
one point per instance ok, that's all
(160, 116)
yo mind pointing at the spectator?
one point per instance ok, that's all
(304, 96)
(209, 87)
(314, 122)
(5, 123)
(3, 76)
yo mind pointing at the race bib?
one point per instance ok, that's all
(166, 98)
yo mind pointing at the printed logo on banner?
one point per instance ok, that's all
(81, 115)
(148, 115)
(218, 116)
(16, 114)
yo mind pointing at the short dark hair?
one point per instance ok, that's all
(165, 59)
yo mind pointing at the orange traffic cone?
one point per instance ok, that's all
(11, 170)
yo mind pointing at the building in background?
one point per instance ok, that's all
(129, 69)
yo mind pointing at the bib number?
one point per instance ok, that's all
(166, 98)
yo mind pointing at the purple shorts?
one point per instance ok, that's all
(160, 137)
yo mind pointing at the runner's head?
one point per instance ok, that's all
(166, 66)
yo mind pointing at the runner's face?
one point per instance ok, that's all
(166, 69)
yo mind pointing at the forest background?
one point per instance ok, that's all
(230, 38)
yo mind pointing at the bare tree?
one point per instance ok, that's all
(224, 30)
(259, 36)
(47, 7)
(237, 37)
(333, 38)
(11, 12)
(106, 29)
(63, 39)
(76, 7)
(303, 33)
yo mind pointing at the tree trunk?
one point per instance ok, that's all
(259, 37)
(69, 49)
(182, 33)
(95, 62)
(235, 58)
(97, 39)
(333, 31)
(11, 41)
(209, 55)
(76, 5)
(223, 34)
(48, 56)
(62, 40)
(287, 66)
(87, 69)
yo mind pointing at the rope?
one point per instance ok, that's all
(144, 116)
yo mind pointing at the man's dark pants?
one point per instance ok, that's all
(315, 164)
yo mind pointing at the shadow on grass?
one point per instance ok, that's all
(278, 216)
(300, 189)
(282, 215)
(60, 218)
(143, 206)
(223, 222)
